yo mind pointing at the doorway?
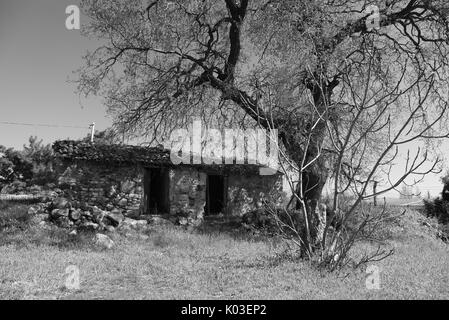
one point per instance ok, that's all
(156, 185)
(215, 194)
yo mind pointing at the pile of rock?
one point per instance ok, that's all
(67, 214)
(62, 213)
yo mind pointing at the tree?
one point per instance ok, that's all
(39, 153)
(22, 165)
(6, 167)
(34, 163)
(333, 86)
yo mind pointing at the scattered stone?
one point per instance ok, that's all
(112, 191)
(33, 210)
(56, 213)
(87, 214)
(115, 217)
(75, 214)
(73, 233)
(110, 228)
(98, 214)
(134, 224)
(141, 223)
(38, 218)
(90, 225)
(61, 203)
(49, 196)
(133, 214)
(123, 202)
(104, 241)
(64, 222)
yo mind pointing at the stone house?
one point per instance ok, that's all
(142, 180)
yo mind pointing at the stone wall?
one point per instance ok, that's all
(120, 189)
(247, 193)
(188, 194)
(107, 187)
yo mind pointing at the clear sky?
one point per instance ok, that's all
(37, 56)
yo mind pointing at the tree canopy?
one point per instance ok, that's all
(334, 77)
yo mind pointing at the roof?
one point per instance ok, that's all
(124, 155)
(118, 154)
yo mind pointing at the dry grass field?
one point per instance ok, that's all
(172, 263)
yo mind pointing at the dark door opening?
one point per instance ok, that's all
(216, 195)
(156, 191)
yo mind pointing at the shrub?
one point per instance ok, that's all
(34, 164)
(437, 208)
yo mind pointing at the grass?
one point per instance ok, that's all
(177, 264)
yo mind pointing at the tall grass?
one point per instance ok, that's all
(173, 263)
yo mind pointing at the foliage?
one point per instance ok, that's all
(437, 208)
(42, 159)
(6, 167)
(445, 178)
(107, 137)
(33, 164)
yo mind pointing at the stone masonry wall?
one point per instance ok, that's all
(247, 193)
(188, 195)
(120, 189)
(107, 187)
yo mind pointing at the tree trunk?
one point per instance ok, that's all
(312, 186)
(314, 177)
(312, 212)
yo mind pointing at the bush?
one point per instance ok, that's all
(438, 208)
(43, 175)
(34, 164)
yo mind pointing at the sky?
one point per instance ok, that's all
(37, 57)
